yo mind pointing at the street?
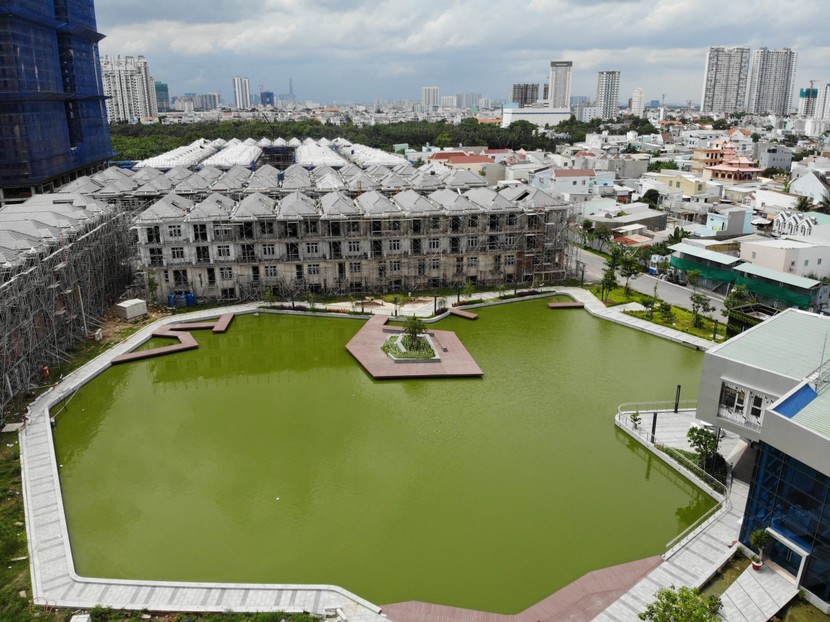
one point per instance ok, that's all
(677, 295)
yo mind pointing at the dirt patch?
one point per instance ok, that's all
(116, 328)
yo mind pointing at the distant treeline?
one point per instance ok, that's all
(136, 142)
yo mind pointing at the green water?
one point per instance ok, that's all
(486, 493)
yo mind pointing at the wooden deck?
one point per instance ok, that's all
(455, 361)
(566, 305)
(179, 332)
(580, 601)
(465, 314)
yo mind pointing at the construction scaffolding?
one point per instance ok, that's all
(64, 258)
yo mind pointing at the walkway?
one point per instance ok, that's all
(595, 307)
(181, 332)
(454, 361)
(756, 596)
(54, 581)
(698, 556)
(579, 601)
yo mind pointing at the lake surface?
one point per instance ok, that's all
(269, 455)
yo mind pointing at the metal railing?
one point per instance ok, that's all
(681, 463)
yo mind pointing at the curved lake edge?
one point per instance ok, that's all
(45, 583)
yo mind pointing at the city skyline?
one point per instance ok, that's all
(660, 47)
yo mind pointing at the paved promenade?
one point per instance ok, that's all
(54, 581)
(592, 304)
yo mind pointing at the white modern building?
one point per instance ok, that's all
(802, 258)
(771, 81)
(638, 102)
(608, 93)
(771, 386)
(430, 98)
(559, 84)
(241, 93)
(724, 83)
(129, 88)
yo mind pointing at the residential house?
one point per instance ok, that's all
(800, 257)
(812, 184)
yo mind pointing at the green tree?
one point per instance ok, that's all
(803, 204)
(413, 329)
(659, 165)
(443, 140)
(652, 197)
(468, 289)
(602, 233)
(629, 268)
(737, 297)
(700, 306)
(649, 303)
(615, 255)
(666, 312)
(682, 604)
(608, 283)
(693, 277)
(824, 204)
(704, 442)
(677, 235)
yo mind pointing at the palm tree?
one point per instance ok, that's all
(677, 235)
(824, 204)
(803, 204)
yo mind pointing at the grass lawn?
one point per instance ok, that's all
(797, 611)
(681, 321)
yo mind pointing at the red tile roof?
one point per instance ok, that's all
(461, 158)
(574, 172)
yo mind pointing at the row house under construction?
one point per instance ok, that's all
(226, 248)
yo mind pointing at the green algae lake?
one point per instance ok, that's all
(268, 455)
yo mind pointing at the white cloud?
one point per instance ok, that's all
(389, 48)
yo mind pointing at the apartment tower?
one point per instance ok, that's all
(241, 93)
(559, 84)
(430, 98)
(525, 94)
(130, 88)
(724, 83)
(608, 94)
(771, 81)
(638, 102)
(54, 123)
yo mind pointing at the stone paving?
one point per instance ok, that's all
(756, 596)
(693, 561)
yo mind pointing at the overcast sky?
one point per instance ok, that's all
(360, 50)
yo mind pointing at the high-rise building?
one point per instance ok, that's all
(559, 83)
(638, 102)
(467, 100)
(162, 96)
(449, 101)
(130, 88)
(525, 94)
(241, 93)
(267, 98)
(430, 98)
(807, 102)
(54, 124)
(608, 94)
(771, 81)
(823, 103)
(724, 83)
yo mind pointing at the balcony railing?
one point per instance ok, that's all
(750, 423)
